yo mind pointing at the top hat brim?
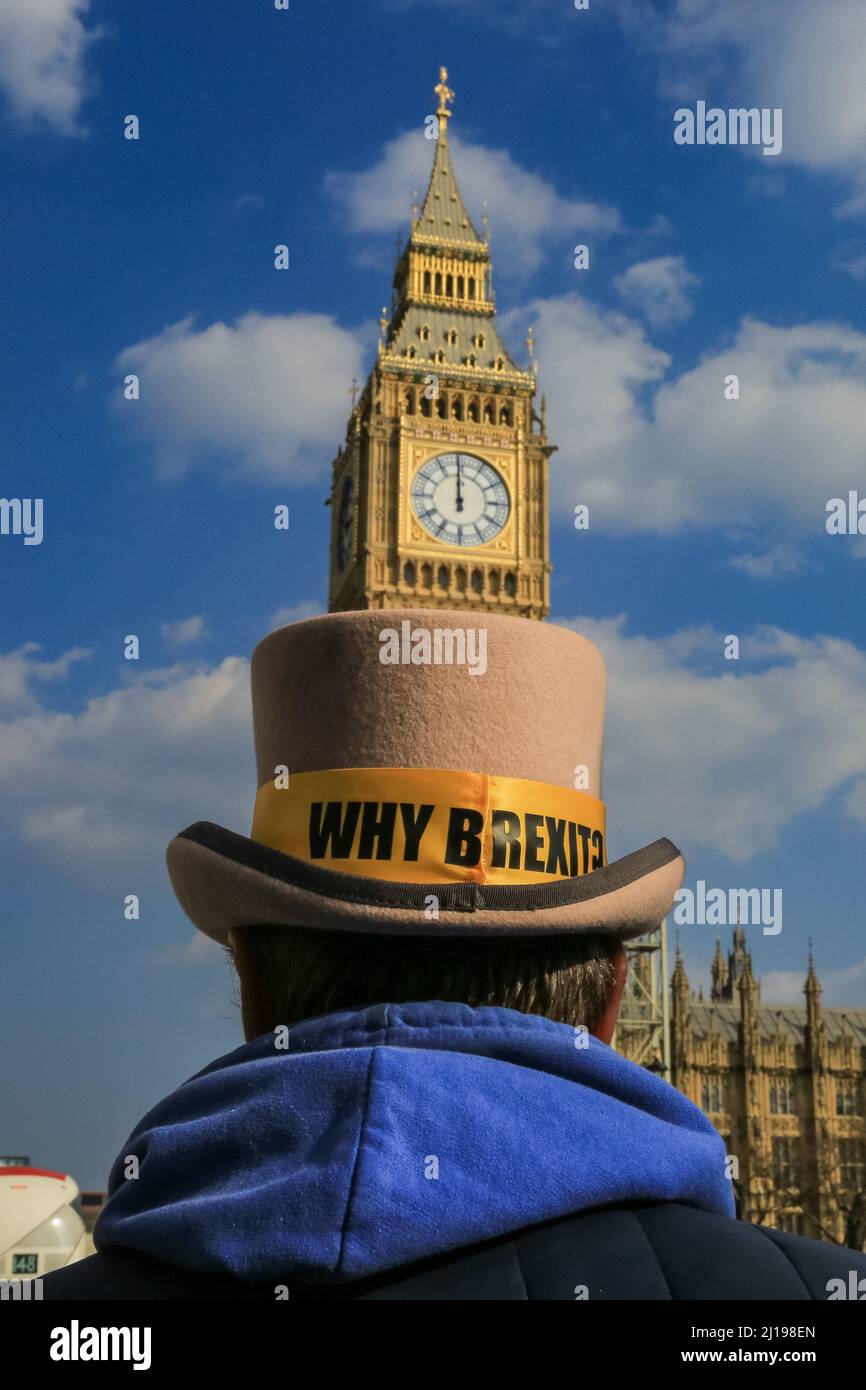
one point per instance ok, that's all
(225, 881)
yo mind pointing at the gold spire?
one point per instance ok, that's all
(445, 94)
(443, 216)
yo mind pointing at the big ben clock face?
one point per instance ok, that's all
(460, 499)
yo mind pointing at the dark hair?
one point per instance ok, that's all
(568, 978)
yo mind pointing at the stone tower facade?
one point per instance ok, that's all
(785, 1085)
(440, 492)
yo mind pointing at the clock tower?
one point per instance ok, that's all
(439, 493)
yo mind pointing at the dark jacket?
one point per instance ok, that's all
(656, 1252)
(430, 1151)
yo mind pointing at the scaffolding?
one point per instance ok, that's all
(643, 1025)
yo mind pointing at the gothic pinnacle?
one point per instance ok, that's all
(445, 94)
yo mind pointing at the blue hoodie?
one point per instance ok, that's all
(388, 1134)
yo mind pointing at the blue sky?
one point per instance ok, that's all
(306, 127)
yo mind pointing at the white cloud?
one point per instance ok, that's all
(295, 612)
(684, 455)
(267, 392)
(768, 183)
(22, 669)
(183, 632)
(101, 792)
(782, 986)
(592, 364)
(659, 289)
(851, 260)
(804, 57)
(724, 755)
(853, 207)
(841, 987)
(856, 801)
(527, 214)
(779, 560)
(43, 47)
(196, 949)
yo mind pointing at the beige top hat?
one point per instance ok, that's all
(425, 772)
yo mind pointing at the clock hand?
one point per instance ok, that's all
(459, 493)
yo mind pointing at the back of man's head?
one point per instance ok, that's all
(288, 974)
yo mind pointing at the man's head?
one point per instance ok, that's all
(288, 974)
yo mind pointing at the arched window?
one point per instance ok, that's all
(409, 574)
(442, 577)
(471, 286)
(426, 576)
(472, 360)
(424, 332)
(472, 412)
(409, 403)
(457, 408)
(493, 582)
(510, 584)
(460, 580)
(426, 281)
(440, 407)
(460, 287)
(488, 413)
(449, 286)
(477, 582)
(781, 1097)
(846, 1097)
(713, 1098)
(505, 416)
(438, 282)
(425, 405)
(452, 336)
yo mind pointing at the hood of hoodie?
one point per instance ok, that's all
(375, 1138)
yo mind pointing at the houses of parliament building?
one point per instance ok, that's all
(439, 499)
(785, 1085)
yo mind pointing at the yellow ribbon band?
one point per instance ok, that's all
(432, 825)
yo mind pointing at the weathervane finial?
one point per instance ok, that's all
(445, 94)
